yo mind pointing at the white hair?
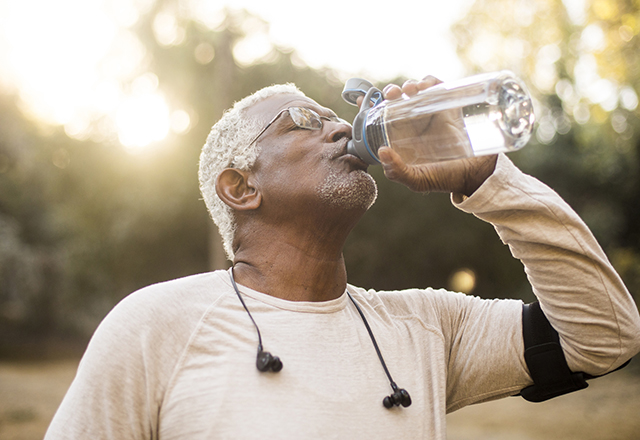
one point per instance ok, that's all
(228, 146)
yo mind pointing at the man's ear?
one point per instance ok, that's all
(235, 188)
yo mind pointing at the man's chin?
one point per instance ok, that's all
(358, 191)
(373, 190)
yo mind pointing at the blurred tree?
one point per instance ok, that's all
(28, 267)
(83, 222)
(200, 71)
(581, 60)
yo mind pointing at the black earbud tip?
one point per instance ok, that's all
(400, 397)
(276, 365)
(266, 362)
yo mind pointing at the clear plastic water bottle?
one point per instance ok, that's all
(483, 114)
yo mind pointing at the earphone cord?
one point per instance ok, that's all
(235, 286)
(364, 320)
(375, 344)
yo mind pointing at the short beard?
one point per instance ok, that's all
(357, 191)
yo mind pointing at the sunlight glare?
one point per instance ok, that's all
(124, 58)
(141, 120)
(251, 48)
(69, 60)
(166, 29)
(122, 12)
(77, 64)
(55, 83)
(180, 121)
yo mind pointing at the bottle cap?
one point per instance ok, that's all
(354, 88)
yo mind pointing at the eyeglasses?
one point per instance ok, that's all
(304, 118)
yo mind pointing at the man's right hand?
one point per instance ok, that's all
(462, 176)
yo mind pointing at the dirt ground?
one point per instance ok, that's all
(30, 393)
(608, 410)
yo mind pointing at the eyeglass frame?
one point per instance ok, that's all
(320, 118)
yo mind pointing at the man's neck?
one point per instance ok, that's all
(311, 270)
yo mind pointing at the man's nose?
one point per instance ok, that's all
(340, 130)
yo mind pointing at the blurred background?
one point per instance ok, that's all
(105, 104)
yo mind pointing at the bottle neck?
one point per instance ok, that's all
(375, 134)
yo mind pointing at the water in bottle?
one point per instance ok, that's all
(483, 114)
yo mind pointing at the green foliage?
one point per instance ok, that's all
(411, 240)
(582, 68)
(84, 223)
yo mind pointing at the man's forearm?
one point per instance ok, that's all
(579, 291)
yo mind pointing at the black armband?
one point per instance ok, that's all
(545, 359)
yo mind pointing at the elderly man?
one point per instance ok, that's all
(178, 360)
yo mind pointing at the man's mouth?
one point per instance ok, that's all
(354, 161)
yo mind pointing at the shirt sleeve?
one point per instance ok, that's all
(483, 339)
(107, 399)
(579, 291)
(122, 377)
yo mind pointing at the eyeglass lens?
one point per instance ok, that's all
(305, 118)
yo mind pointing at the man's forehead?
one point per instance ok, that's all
(269, 107)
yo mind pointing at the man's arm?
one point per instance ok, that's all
(579, 291)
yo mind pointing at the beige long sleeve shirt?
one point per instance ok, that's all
(177, 360)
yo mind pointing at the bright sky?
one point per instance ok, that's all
(381, 39)
(67, 57)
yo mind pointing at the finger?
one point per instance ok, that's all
(391, 92)
(359, 101)
(396, 170)
(428, 81)
(410, 87)
(392, 164)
